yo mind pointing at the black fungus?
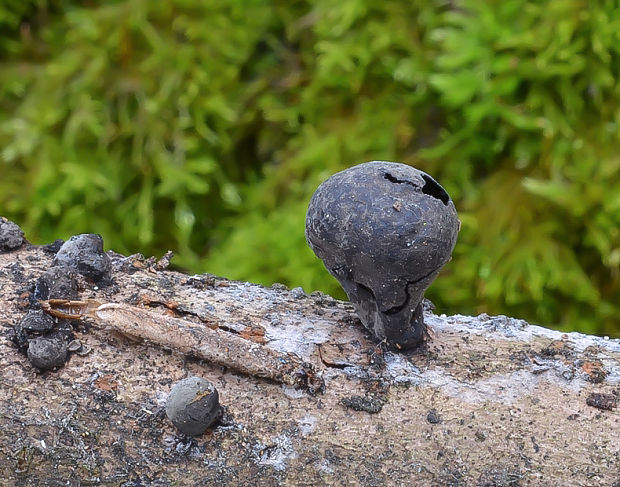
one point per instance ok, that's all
(19, 337)
(193, 405)
(37, 322)
(384, 230)
(11, 236)
(34, 324)
(47, 352)
(85, 254)
(60, 282)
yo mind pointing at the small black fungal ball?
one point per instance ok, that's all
(59, 282)
(19, 337)
(193, 405)
(47, 352)
(37, 322)
(85, 254)
(384, 230)
(11, 236)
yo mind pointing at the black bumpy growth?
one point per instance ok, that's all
(384, 230)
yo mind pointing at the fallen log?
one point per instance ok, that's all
(488, 401)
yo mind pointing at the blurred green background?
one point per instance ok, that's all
(204, 127)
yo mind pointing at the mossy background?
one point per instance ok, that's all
(204, 127)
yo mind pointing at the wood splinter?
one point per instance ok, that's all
(216, 346)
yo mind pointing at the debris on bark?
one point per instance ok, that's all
(488, 401)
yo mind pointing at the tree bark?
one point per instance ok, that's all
(488, 401)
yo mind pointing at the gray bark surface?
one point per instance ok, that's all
(489, 401)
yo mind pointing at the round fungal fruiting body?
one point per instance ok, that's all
(47, 352)
(85, 254)
(11, 236)
(193, 405)
(384, 230)
(59, 282)
(36, 322)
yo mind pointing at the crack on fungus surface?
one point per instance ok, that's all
(399, 307)
(394, 179)
(431, 187)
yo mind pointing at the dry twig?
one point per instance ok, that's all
(216, 346)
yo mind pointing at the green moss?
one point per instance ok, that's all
(205, 127)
